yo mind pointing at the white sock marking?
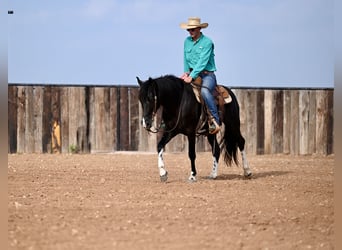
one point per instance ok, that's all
(161, 165)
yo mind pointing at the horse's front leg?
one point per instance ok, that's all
(192, 157)
(161, 166)
(160, 148)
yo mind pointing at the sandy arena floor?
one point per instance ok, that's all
(116, 201)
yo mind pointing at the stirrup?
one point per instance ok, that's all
(214, 128)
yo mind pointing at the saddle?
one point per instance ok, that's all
(221, 96)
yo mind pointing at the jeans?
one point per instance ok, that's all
(208, 86)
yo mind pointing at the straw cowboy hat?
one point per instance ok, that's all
(193, 22)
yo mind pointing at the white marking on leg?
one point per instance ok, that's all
(192, 177)
(143, 122)
(161, 165)
(246, 169)
(214, 170)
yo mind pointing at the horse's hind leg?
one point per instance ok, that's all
(215, 149)
(246, 170)
(192, 157)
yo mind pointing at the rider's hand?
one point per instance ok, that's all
(184, 75)
(188, 79)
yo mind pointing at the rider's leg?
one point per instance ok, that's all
(208, 86)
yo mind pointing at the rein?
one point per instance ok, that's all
(156, 130)
(196, 85)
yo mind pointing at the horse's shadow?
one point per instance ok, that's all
(257, 175)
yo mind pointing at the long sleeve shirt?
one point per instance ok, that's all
(198, 55)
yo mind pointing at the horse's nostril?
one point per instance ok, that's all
(146, 123)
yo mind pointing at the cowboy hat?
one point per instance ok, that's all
(193, 22)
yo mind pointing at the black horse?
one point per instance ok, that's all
(181, 114)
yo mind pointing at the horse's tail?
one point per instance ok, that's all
(232, 135)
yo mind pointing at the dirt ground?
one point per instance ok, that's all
(116, 201)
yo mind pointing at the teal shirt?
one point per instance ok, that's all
(199, 55)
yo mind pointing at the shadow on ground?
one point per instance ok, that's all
(257, 175)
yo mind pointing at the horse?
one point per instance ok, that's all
(181, 114)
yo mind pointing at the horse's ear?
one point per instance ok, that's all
(139, 81)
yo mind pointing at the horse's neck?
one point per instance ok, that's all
(170, 100)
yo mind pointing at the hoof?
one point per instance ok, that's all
(163, 178)
(192, 178)
(212, 176)
(248, 175)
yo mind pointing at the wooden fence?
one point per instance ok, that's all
(88, 119)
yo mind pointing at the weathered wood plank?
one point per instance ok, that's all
(241, 97)
(330, 124)
(268, 121)
(55, 121)
(93, 126)
(251, 122)
(274, 121)
(287, 122)
(134, 118)
(324, 122)
(29, 120)
(107, 133)
(78, 119)
(294, 133)
(101, 120)
(312, 122)
(260, 123)
(277, 122)
(321, 129)
(38, 118)
(114, 117)
(12, 118)
(74, 117)
(47, 117)
(304, 114)
(124, 128)
(21, 119)
(64, 124)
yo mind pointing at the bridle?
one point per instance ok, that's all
(154, 113)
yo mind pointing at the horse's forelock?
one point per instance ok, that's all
(146, 88)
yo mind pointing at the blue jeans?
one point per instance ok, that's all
(208, 86)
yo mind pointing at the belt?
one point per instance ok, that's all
(206, 72)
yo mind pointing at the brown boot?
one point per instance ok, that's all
(214, 128)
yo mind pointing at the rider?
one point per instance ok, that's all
(199, 62)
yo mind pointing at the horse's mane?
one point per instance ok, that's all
(169, 82)
(170, 87)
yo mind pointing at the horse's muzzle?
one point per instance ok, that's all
(146, 123)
